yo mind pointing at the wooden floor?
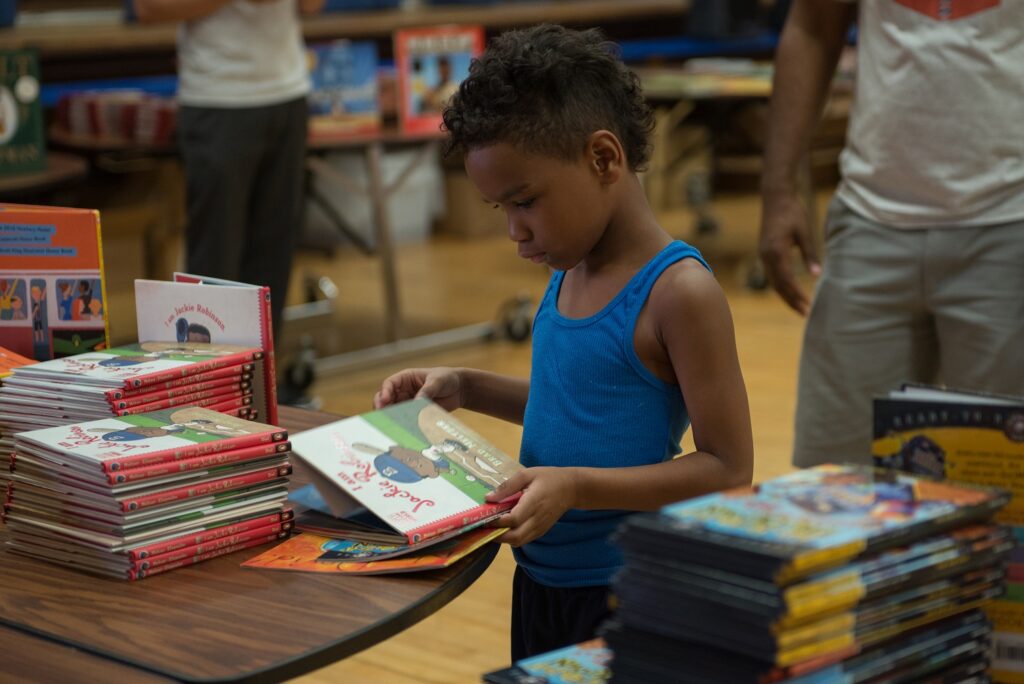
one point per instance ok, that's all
(447, 283)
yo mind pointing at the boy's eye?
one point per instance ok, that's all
(524, 204)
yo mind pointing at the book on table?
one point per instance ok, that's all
(965, 436)
(828, 570)
(583, 663)
(196, 308)
(137, 495)
(53, 300)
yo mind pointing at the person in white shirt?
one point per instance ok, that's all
(923, 279)
(243, 83)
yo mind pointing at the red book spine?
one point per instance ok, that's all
(241, 369)
(199, 462)
(139, 574)
(459, 520)
(223, 484)
(200, 388)
(265, 534)
(193, 450)
(236, 397)
(279, 519)
(193, 369)
(269, 364)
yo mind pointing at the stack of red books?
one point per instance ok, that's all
(139, 495)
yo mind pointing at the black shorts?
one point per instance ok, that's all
(545, 618)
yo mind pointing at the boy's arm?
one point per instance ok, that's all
(696, 329)
(496, 395)
(805, 63)
(501, 396)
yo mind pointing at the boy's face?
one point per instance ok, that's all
(556, 209)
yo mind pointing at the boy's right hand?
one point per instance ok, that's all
(443, 386)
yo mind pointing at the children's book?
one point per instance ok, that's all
(9, 361)
(811, 520)
(52, 293)
(431, 63)
(141, 365)
(211, 310)
(411, 470)
(312, 553)
(343, 101)
(584, 663)
(22, 146)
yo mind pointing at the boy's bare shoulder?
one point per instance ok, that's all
(687, 285)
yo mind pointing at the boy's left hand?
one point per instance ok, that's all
(547, 493)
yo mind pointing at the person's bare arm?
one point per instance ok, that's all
(696, 330)
(496, 395)
(805, 62)
(176, 10)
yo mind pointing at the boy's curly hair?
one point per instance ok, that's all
(545, 90)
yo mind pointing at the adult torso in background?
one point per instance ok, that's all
(936, 134)
(246, 54)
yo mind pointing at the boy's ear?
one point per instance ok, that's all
(605, 154)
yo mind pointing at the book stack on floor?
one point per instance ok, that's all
(835, 573)
(970, 437)
(139, 495)
(129, 380)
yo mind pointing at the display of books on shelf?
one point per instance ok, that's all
(827, 570)
(216, 311)
(431, 62)
(402, 475)
(139, 495)
(583, 663)
(52, 294)
(968, 437)
(22, 145)
(344, 99)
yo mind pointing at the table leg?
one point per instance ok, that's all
(385, 248)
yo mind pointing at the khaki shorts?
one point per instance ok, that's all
(937, 305)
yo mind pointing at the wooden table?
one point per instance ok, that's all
(61, 168)
(211, 622)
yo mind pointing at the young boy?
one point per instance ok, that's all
(633, 339)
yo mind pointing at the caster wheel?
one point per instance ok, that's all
(517, 319)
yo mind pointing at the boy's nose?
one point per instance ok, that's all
(517, 231)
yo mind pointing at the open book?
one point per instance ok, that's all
(406, 474)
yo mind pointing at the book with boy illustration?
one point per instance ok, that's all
(431, 63)
(583, 663)
(969, 437)
(806, 572)
(128, 380)
(212, 310)
(52, 296)
(343, 101)
(137, 495)
(404, 474)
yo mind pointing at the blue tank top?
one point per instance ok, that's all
(593, 403)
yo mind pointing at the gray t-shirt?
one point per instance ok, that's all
(246, 54)
(936, 134)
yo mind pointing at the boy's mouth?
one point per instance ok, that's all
(535, 257)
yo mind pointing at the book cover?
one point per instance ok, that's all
(343, 101)
(311, 553)
(141, 364)
(166, 436)
(817, 518)
(431, 63)
(584, 663)
(413, 465)
(52, 291)
(199, 309)
(9, 361)
(22, 145)
(963, 436)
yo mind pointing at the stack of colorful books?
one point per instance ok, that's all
(138, 495)
(131, 380)
(836, 573)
